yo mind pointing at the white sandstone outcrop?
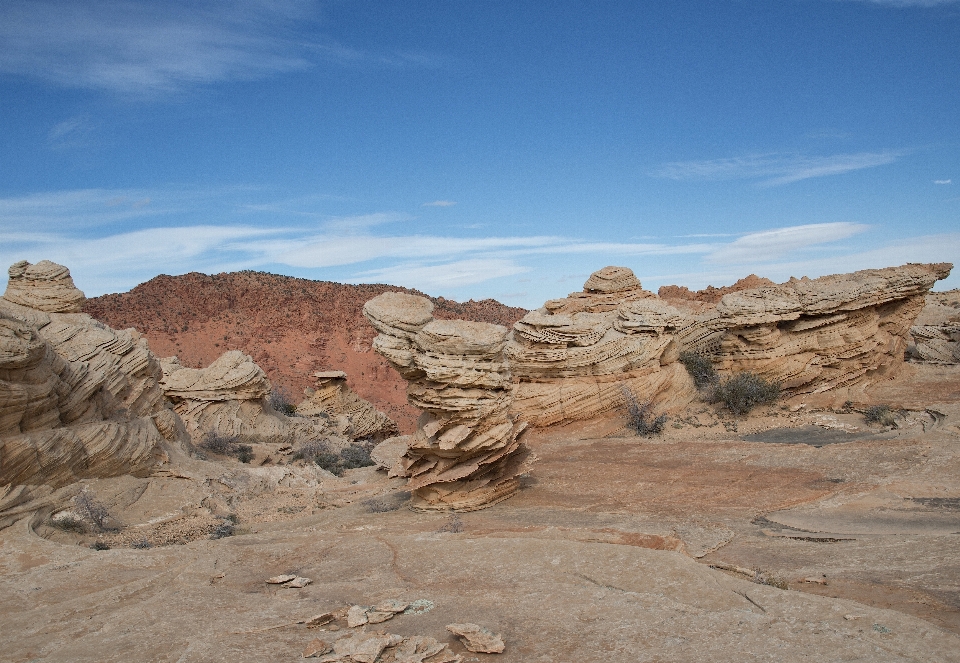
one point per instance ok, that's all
(77, 398)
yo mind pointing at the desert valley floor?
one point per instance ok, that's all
(617, 548)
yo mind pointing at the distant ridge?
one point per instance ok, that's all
(291, 327)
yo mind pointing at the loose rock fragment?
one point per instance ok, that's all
(281, 579)
(317, 647)
(357, 616)
(298, 583)
(359, 647)
(477, 638)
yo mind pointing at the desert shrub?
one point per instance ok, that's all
(280, 401)
(742, 392)
(879, 414)
(244, 453)
(227, 445)
(100, 545)
(218, 443)
(68, 523)
(92, 510)
(142, 544)
(700, 369)
(640, 417)
(227, 528)
(333, 461)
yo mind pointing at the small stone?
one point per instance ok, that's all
(298, 582)
(320, 620)
(391, 605)
(377, 616)
(357, 616)
(281, 579)
(816, 580)
(477, 638)
(317, 647)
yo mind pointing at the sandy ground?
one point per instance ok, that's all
(617, 548)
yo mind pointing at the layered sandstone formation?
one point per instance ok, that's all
(812, 335)
(77, 398)
(573, 358)
(230, 398)
(356, 417)
(936, 334)
(466, 453)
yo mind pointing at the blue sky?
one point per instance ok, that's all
(479, 149)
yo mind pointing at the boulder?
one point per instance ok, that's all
(936, 334)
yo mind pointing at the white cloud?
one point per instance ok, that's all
(431, 278)
(770, 245)
(440, 203)
(137, 47)
(942, 181)
(774, 168)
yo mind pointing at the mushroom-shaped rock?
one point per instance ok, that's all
(466, 453)
(45, 286)
(611, 279)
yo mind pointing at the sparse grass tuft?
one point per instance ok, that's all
(700, 369)
(142, 544)
(744, 391)
(640, 417)
(454, 525)
(879, 414)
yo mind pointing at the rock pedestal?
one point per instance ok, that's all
(466, 453)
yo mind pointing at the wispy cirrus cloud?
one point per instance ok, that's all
(907, 3)
(439, 276)
(771, 245)
(115, 239)
(773, 169)
(942, 181)
(440, 203)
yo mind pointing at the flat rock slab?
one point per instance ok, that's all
(815, 436)
(594, 602)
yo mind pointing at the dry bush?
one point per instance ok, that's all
(879, 414)
(91, 510)
(700, 369)
(744, 391)
(640, 417)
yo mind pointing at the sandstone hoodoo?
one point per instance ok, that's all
(77, 398)
(467, 452)
(573, 358)
(356, 417)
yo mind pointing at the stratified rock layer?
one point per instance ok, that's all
(812, 335)
(936, 336)
(229, 398)
(574, 358)
(356, 417)
(466, 453)
(77, 398)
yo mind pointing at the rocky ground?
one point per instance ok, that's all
(800, 532)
